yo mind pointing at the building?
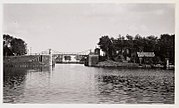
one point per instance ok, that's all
(145, 57)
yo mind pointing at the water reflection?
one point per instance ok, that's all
(69, 83)
(15, 81)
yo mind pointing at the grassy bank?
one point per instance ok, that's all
(110, 63)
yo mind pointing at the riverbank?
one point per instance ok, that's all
(110, 63)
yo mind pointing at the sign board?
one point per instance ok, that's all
(145, 54)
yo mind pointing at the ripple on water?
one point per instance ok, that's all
(79, 84)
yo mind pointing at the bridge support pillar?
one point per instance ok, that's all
(50, 57)
(93, 59)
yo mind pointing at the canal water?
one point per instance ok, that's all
(75, 83)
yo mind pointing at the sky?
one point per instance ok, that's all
(78, 27)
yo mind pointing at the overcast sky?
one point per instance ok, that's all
(78, 27)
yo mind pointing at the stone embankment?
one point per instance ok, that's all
(26, 61)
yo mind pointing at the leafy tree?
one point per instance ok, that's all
(119, 44)
(7, 51)
(138, 43)
(106, 44)
(166, 47)
(18, 46)
(13, 45)
(150, 43)
(130, 43)
(129, 37)
(7, 40)
(162, 47)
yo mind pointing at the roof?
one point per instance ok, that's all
(145, 54)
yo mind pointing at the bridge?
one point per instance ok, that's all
(50, 57)
(66, 57)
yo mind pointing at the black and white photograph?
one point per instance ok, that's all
(88, 53)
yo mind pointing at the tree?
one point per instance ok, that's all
(13, 45)
(138, 43)
(7, 40)
(18, 46)
(166, 46)
(129, 37)
(7, 51)
(106, 45)
(130, 43)
(150, 43)
(120, 44)
(6, 44)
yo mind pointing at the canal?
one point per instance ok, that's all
(75, 83)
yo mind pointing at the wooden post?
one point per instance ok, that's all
(167, 63)
(140, 60)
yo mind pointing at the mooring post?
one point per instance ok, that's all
(50, 57)
(167, 63)
(140, 60)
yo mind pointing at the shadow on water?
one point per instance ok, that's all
(136, 89)
(14, 81)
